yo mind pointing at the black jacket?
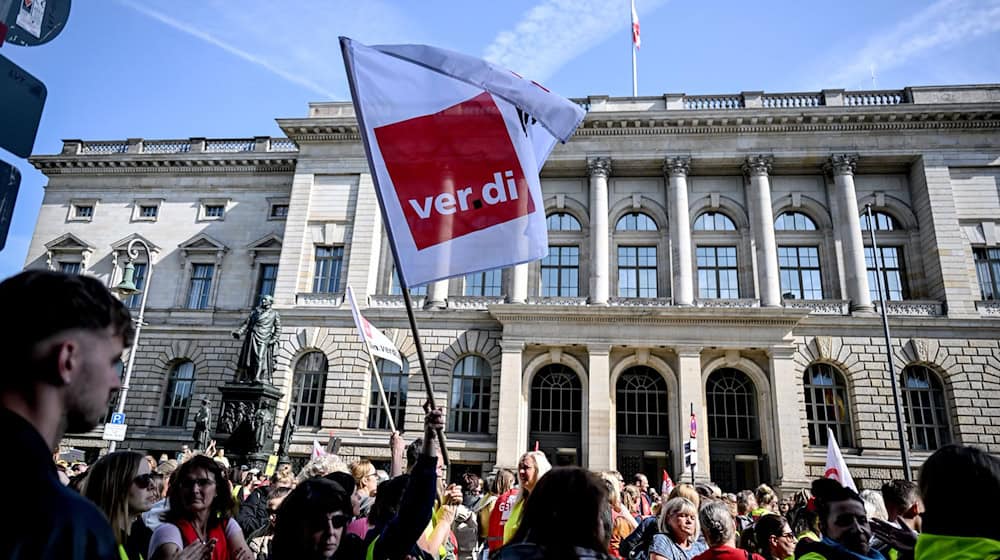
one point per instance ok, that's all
(399, 537)
(253, 512)
(44, 519)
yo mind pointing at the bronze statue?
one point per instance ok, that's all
(263, 423)
(262, 329)
(287, 431)
(202, 426)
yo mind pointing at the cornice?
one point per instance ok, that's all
(700, 317)
(127, 164)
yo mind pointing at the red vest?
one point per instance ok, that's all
(216, 531)
(498, 518)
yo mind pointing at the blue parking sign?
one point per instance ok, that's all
(118, 418)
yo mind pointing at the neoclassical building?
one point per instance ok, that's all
(707, 253)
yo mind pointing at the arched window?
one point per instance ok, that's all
(180, 385)
(309, 387)
(732, 410)
(923, 403)
(794, 221)
(713, 221)
(883, 222)
(827, 405)
(641, 402)
(556, 401)
(635, 221)
(470, 395)
(562, 221)
(394, 381)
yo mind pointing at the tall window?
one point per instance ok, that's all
(893, 273)
(556, 401)
(562, 221)
(470, 396)
(732, 411)
(799, 271)
(717, 276)
(180, 385)
(641, 402)
(923, 403)
(561, 272)
(139, 277)
(394, 381)
(485, 283)
(201, 286)
(713, 221)
(265, 280)
(328, 264)
(637, 272)
(988, 271)
(70, 267)
(635, 221)
(826, 405)
(309, 386)
(395, 290)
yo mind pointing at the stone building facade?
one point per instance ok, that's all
(707, 254)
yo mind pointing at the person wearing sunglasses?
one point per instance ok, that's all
(310, 522)
(121, 486)
(772, 538)
(198, 525)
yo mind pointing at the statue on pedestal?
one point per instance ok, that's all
(262, 329)
(287, 431)
(202, 426)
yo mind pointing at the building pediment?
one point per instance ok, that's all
(270, 242)
(69, 243)
(203, 243)
(122, 244)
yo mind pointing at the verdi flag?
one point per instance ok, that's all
(836, 468)
(455, 145)
(380, 344)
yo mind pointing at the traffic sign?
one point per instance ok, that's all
(118, 418)
(10, 181)
(36, 22)
(22, 97)
(114, 432)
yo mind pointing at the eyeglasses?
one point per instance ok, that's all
(143, 481)
(788, 535)
(339, 521)
(191, 482)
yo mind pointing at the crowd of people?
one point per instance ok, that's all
(129, 506)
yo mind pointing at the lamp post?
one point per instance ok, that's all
(127, 288)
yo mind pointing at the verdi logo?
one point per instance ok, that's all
(455, 172)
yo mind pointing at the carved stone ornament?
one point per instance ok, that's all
(920, 348)
(824, 347)
(599, 167)
(841, 164)
(758, 164)
(676, 166)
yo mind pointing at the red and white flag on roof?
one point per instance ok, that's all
(836, 468)
(380, 344)
(635, 26)
(455, 145)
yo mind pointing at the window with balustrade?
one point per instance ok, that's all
(988, 271)
(561, 272)
(799, 242)
(717, 273)
(485, 283)
(827, 406)
(327, 268)
(471, 383)
(177, 400)
(893, 279)
(309, 388)
(924, 408)
(636, 242)
(394, 382)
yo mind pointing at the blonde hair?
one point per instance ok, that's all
(631, 497)
(686, 491)
(361, 469)
(108, 484)
(542, 466)
(673, 507)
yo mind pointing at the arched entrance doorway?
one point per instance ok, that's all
(641, 421)
(556, 421)
(734, 442)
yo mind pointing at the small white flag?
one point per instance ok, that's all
(836, 468)
(455, 144)
(380, 344)
(317, 451)
(635, 26)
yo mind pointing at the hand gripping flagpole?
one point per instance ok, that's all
(363, 131)
(904, 449)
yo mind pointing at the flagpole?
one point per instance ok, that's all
(363, 131)
(381, 390)
(631, 24)
(635, 79)
(904, 449)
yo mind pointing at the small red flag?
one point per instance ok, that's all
(667, 484)
(635, 26)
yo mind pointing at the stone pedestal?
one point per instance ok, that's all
(239, 419)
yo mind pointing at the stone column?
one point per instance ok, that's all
(676, 169)
(599, 434)
(762, 222)
(848, 222)
(512, 435)
(790, 462)
(692, 390)
(437, 295)
(599, 170)
(518, 284)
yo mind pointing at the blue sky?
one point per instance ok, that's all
(228, 68)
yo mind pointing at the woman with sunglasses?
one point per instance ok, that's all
(121, 486)
(773, 538)
(198, 525)
(310, 522)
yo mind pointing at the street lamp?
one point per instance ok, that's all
(127, 288)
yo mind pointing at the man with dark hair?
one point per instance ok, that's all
(903, 507)
(62, 342)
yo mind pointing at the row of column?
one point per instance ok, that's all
(757, 170)
(783, 432)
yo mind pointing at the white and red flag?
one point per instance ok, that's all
(379, 344)
(455, 145)
(836, 468)
(635, 26)
(667, 485)
(317, 451)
